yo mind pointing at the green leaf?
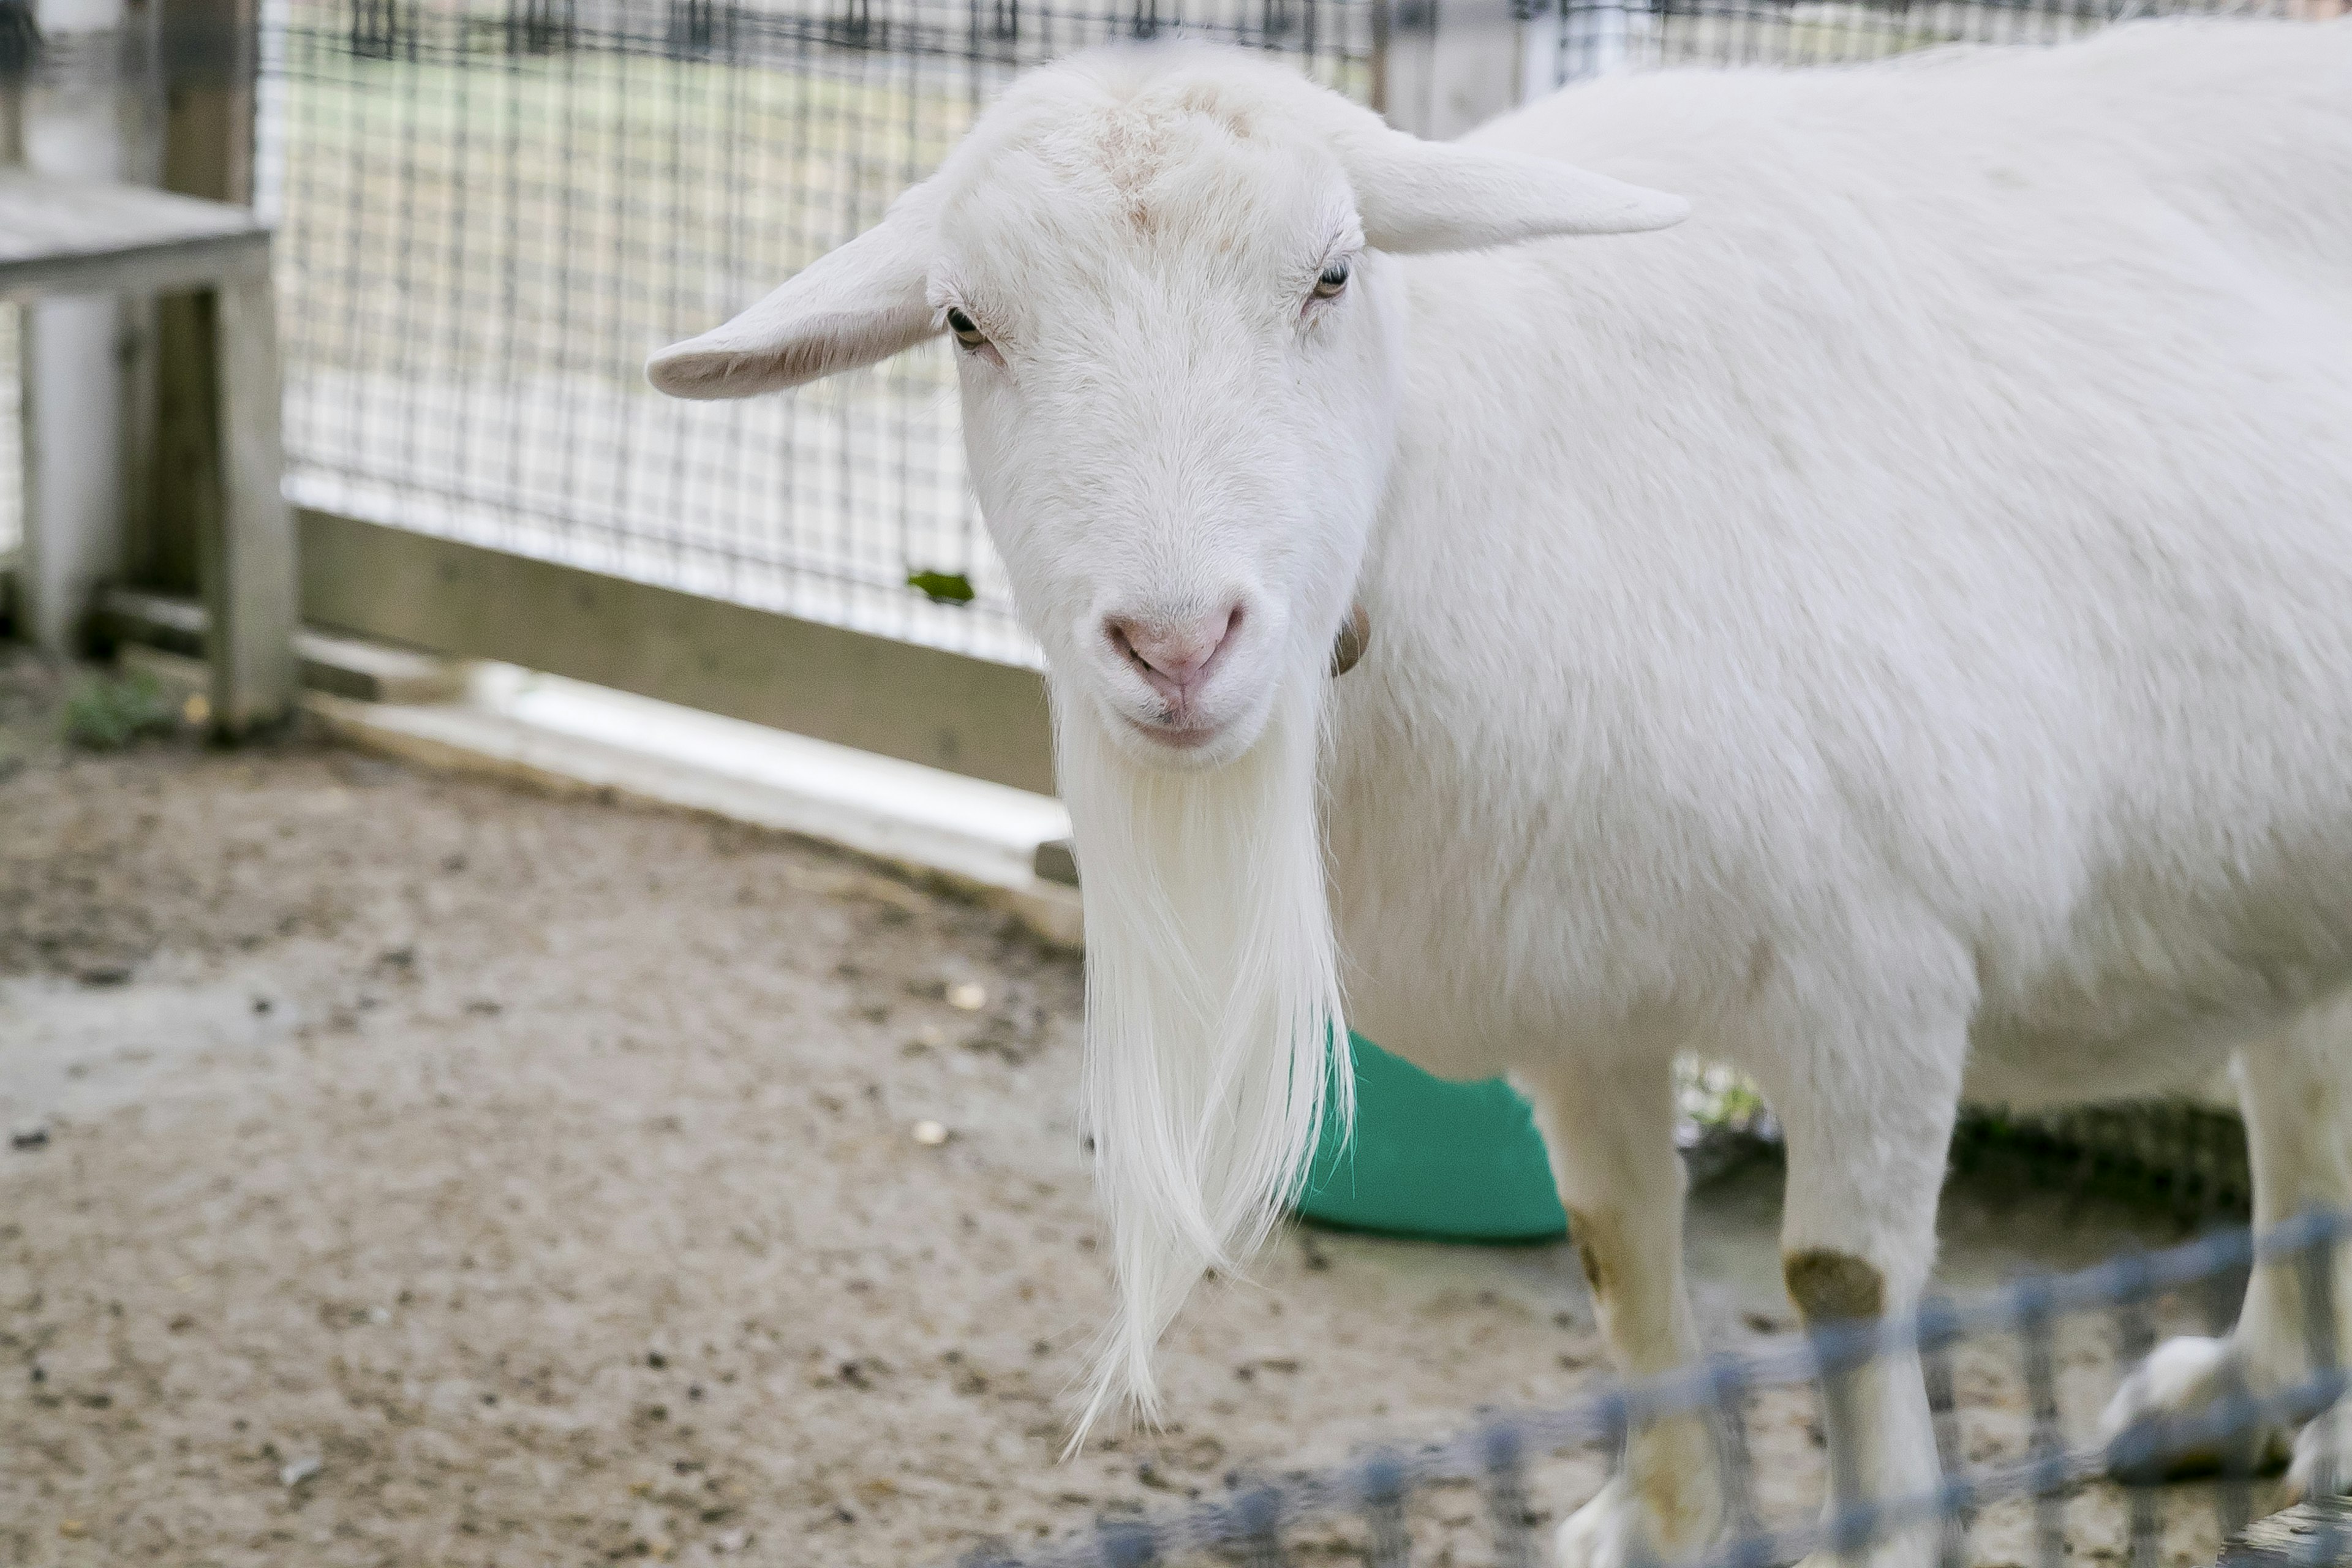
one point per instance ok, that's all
(943, 587)
(106, 714)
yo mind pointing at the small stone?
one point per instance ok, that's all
(379, 1315)
(197, 711)
(731, 1540)
(297, 1471)
(930, 1134)
(32, 1135)
(969, 996)
(72, 1528)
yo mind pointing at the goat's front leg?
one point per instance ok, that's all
(1611, 1134)
(1868, 1121)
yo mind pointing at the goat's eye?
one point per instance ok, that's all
(966, 333)
(1334, 278)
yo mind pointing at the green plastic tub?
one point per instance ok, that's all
(1456, 1162)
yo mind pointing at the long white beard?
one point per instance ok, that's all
(1212, 1011)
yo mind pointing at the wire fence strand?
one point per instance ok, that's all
(1378, 1489)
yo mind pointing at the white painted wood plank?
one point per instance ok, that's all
(44, 220)
(250, 578)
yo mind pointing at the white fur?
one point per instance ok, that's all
(1890, 632)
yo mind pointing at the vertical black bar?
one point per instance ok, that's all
(2135, 1338)
(2049, 1460)
(2316, 1279)
(1507, 1495)
(1257, 1521)
(1938, 1332)
(1617, 1428)
(1384, 1494)
(2234, 1498)
(1840, 1362)
(1727, 1388)
(1127, 1543)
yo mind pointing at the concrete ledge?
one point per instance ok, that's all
(976, 839)
(347, 667)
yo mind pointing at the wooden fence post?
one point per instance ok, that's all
(207, 151)
(85, 113)
(1444, 66)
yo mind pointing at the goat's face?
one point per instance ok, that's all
(1169, 273)
(1179, 365)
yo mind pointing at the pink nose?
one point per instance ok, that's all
(1172, 655)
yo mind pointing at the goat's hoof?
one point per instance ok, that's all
(2179, 1379)
(1603, 1534)
(2322, 1465)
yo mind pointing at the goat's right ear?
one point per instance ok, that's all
(860, 302)
(1417, 195)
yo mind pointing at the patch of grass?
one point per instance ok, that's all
(1714, 1096)
(107, 713)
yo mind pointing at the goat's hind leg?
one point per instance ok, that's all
(1610, 1132)
(2297, 1102)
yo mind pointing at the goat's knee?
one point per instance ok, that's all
(1831, 1287)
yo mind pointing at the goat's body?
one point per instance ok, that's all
(1893, 632)
(1935, 561)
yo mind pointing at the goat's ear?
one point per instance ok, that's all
(860, 302)
(1416, 196)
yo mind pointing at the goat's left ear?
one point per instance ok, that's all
(858, 304)
(1416, 196)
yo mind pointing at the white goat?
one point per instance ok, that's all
(1893, 633)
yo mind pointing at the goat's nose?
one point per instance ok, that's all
(1171, 654)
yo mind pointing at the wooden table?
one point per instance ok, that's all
(72, 237)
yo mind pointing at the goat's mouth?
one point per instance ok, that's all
(1182, 736)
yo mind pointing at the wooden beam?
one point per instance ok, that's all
(341, 667)
(948, 710)
(208, 146)
(244, 558)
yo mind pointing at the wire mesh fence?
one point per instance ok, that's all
(491, 210)
(1586, 37)
(2014, 1379)
(490, 216)
(12, 452)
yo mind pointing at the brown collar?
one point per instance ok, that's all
(1355, 636)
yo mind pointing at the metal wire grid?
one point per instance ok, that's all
(1367, 1510)
(1586, 37)
(12, 447)
(491, 210)
(489, 217)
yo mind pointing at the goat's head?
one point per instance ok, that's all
(1167, 270)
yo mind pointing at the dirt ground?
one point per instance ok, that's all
(422, 1171)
